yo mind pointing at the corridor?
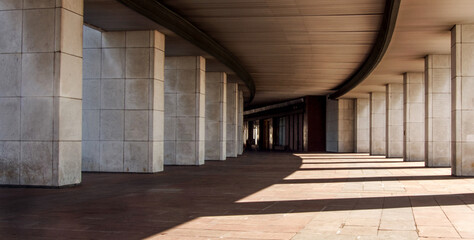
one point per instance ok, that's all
(260, 195)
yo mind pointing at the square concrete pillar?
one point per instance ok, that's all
(216, 104)
(462, 88)
(378, 123)
(414, 117)
(394, 120)
(185, 116)
(123, 110)
(232, 119)
(40, 93)
(438, 110)
(332, 117)
(240, 125)
(362, 124)
(340, 125)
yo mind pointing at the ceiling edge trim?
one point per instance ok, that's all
(165, 17)
(378, 51)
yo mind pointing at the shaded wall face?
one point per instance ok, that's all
(316, 123)
(232, 119)
(332, 127)
(340, 125)
(240, 124)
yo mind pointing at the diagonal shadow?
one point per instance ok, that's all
(136, 206)
(370, 179)
(301, 206)
(358, 168)
(357, 162)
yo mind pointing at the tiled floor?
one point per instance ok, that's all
(256, 196)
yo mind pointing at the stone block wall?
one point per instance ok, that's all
(240, 125)
(40, 92)
(340, 125)
(394, 120)
(462, 79)
(377, 123)
(216, 104)
(438, 111)
(185, 89)
(123, 106)
(232, 119)
(414, 116)
(362, 124)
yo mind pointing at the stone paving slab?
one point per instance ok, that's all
(255, 196)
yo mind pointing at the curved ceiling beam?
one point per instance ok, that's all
(378, 51)
(157, 12)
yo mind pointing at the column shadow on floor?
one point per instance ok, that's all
(136, 206)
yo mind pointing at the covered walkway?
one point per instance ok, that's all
(255, 196)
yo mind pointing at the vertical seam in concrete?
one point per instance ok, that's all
(100, 100)
(124, 111)
(55, 108)
(20, 93)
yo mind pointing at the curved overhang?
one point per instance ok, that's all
(165, 17)
(378, 51)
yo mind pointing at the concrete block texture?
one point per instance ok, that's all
(215, 127)
(438, 111)
(414, 116)
(41, 92)
(123, 101)
(462, 79)
(232, 113)
(394, 135)
(184, 110)
(240, 124)
(378, 123)
(340, 121)
(362, 124)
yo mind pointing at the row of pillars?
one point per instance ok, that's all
(74, 98)
(428, 117)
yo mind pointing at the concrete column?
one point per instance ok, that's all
(123, 107)
(240, 125)
(232, 119)
(216, 103)
(185, 88)
(377, 123)
(394, 120)
(462, 73)
(414, 117)
(331, 125)
(438, 110)
(362, 124)
(340, 125)
(40, 92)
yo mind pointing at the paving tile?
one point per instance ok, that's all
(255, 196)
